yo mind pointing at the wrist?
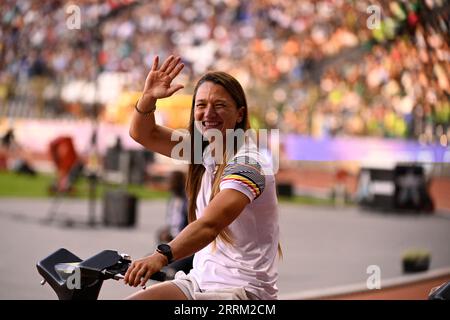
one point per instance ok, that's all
(165, 250)
(161, 258)
(146, 104)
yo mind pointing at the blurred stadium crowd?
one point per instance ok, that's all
(309, 67)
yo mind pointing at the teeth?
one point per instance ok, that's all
(211, 124)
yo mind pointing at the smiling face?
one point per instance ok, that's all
(214, 108)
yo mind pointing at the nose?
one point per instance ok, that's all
(210, 111)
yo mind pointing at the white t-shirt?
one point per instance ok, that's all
(251, 261)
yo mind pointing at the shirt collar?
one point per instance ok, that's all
(209, 161)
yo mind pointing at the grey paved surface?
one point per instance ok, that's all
(323, 247)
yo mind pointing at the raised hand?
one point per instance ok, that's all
(159, 81)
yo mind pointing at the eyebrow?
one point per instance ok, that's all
(204, 100)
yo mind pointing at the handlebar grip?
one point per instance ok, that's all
(159, 276)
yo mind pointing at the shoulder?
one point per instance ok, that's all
(246, 173)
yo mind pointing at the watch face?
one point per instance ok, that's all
(164, 248)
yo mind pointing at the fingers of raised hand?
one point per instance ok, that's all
(175, 88)
(172, 65)
(176, 70)
(155, 63)
(166, 63)
(161, 78)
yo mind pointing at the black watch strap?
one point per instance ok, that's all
(166, 250)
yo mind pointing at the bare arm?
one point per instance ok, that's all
(223, 210)
(226, 206)
(143, 128)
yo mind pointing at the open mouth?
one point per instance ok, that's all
(212, 125)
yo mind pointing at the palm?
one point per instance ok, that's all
(157, 84)
(159, 81)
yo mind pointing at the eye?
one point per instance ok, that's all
(200, 105)
(219, 105)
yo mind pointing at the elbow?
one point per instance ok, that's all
(144, 138)
(133, 134)
(136, 135)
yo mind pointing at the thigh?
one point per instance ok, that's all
(161, 291)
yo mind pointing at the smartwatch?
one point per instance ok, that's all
(165, 250)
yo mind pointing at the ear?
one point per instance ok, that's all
(240, 114)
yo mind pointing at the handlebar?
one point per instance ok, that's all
(75, 279)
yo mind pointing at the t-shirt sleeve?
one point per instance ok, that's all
(245, 176)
